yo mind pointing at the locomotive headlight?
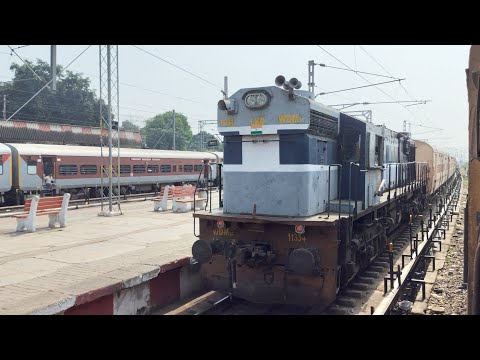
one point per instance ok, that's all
(256, 100)
(261, 100)
(251, 100)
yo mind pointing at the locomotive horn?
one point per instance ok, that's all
(280, 80)
(221, 105)
(295, 83)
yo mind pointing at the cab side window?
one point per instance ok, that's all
(351, 145)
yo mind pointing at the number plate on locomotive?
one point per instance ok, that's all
(296, 237)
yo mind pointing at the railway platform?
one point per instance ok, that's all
(127, 264)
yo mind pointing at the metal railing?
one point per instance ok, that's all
(350, 187)
(339, 189)
(209, 192)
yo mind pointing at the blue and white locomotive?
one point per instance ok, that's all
(310, 195)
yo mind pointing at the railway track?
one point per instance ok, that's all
(400, 300)
(374, 290)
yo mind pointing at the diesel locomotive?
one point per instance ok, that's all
(310, 196)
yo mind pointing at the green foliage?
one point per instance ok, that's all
(158, 132)
(203, 136)
(128, 125)
(73, 102)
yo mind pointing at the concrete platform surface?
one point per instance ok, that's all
(52, 270)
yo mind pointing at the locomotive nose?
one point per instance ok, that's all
(202, 251)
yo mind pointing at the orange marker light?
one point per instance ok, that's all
(300, 229)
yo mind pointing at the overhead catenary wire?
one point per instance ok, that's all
(38, 76)
(388, 117)
(131, 85)
(178, 67)
(21, 46)
(427, 132)
(74, 98)
(138, 87)
(355, 71)
(425, 126)
(358, 87)
(388, 72)
(365, 79)
(8, 77)
(381, 102)
(88, 47)
(371, 57)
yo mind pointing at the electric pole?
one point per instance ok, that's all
(225, 87)
(109, 123)
(174, 129)
(53, 65)
(311, 77)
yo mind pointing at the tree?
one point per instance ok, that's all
(73, 102)
(128, 125)
(158, 132)
(196, 143)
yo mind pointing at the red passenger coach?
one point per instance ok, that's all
(77, 169)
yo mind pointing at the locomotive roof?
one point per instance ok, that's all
(65, 150)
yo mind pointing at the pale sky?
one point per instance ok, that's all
(434, 73)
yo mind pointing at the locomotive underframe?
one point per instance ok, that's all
(266, 260)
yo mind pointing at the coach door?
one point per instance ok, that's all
(206, 170)
(48, 163)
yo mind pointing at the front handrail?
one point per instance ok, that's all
(209, 197)
(220, 185)
(339, 190)
(350, 187)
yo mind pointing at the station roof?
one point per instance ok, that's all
(19, 131)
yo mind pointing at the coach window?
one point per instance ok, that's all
(188, 168)
(88, 169)
(152, 168)
(180, 168)
(165, 168)
(31, 167)
(174, 168)
(67, 169)
(138, 169)
(125, 169)
(197, 167)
